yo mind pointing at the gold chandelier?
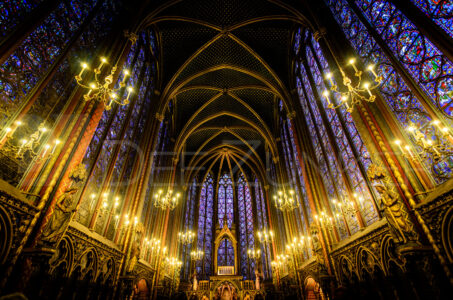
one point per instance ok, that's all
(265, 236)
(285, 201)
(197, 255)
(102, 89)
(186, 237)
(29, 146)
(166, 200)
(433, 144)
(354, 94)
(254, 254)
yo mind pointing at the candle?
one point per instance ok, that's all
(84, 66)
(126, 74)
(352, 62)
(366, 85)
(371, 69)
(398, 142)
(129, 91)
(46, 147)
(326, 94)
(24, 141)
(55, 146)
(103, 61)
(7, 131)
(329, 76)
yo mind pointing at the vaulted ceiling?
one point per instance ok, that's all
(224, 66)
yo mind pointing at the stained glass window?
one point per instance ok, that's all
(339, 149)
(205, 218)
(225, 200)
(261, 216)
(440, 11)
(246, 235)
(422, 60)
(188, 225)
(12, 12)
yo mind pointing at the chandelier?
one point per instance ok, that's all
(29, 146)
(344, 207)
(197, 254)
(354, 94)
(285, 201)
(433, 144)
(102, 89)
(166, 200)
(265, 236)
(254, 254)
(186, 237)
(325, 220)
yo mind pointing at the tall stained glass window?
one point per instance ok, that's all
(225, 200)
(189, 225)
(205, 218)
(262, 223)
(341, 155)
(421, 61)
(246, 235)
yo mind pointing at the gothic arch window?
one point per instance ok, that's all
(189, 225)
(113, 145)
(342, 157)
(205, 220)
(225, 253)
(262, 223)
(246, 233)
(225, 200)
(383, 36)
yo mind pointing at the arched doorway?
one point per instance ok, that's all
(313, 290)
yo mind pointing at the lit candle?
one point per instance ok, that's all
(46, 148)
(326, 95)
(329, 76)
(7, 131)
(352, 62)
(366, 85)
(84, 66)
(408, 149)
(371, 69)
(129, 91)
(398, 142)
(24, 141)
(55, 146)
(126, 74)
(103, 61)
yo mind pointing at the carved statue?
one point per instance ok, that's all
(64, 209)
(195, 281)
(60, 218)
(135, 248)
(401, 227)
(257, 279)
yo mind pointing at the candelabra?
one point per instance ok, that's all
(103, 90)
(285, 201)
(345, 207)
(325, 220)
(29, 146)
(354, 94)
(166, 200)
(433, 141)
(254, 254)
(265, 236)
(186, 237)
(197, 255)
(152, 249)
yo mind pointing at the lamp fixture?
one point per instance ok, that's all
(285, 201)
(102, 90)
(354, 94)
(166, 200)
(186, 237)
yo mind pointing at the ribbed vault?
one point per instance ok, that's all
(224, 68)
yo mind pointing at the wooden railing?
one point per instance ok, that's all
(225, 270)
